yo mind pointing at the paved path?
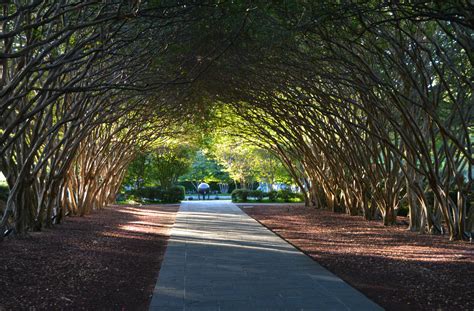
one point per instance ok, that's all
(218, 258)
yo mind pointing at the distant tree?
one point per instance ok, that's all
(207, 169)
(247, 163)
(168, 164)
(136, 172)
(269, 168)
(162, 166)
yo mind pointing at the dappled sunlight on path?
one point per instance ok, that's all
(218, 258)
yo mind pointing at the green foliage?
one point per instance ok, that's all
(127, 198)
(257, 194)
(272, 195)
(247, 163)
(137, 172)
(239, 195)
(162, 166)
(172, 194)
(281, 196)
(285, 195)
(169, 164)
(150, 193)
(237, 158)
(242, 195)
(205, 168)
(133, 199)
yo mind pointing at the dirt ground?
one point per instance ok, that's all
(105, 261)
(398, 269)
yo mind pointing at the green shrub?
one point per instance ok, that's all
(257, 194)
(120, 197)
(298, 195)
(133, 198)
(150, 193)
(240, 195)
(173, 194)
(234, 194)
(272, 195)
(285, 195)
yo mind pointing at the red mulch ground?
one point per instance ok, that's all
(398, 269)
(105, 261)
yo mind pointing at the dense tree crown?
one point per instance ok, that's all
(367, 105)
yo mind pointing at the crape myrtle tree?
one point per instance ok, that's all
(52, 54)
(368, 105)
(96, 174)
(371, 104)
(83, 86)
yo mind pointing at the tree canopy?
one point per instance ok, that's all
(367, 105)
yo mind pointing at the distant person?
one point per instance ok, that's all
(204, 189)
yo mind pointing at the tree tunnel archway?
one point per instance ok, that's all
(369, 106)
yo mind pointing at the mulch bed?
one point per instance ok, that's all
(398, 269)
(105, 261)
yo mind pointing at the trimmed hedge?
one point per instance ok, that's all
(284, 194)
(287, 195)
(239, 195)
(150, 193)
(273, 195)
(257, 194)
(242, 195)
(173, 194)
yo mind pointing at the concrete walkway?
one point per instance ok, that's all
(218, 258)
